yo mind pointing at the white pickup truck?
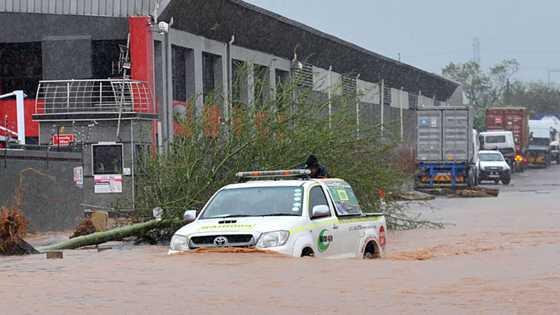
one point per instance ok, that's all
(295, 217)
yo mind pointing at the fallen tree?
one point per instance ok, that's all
(271, 133)
(108, 236)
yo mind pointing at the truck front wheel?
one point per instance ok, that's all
(506, 180)
(307, 252)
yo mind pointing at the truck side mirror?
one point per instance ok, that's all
(189, 216)
(320, 211)
(481, 140)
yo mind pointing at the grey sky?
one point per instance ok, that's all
(431, 33)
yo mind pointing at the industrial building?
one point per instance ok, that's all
(62, 52)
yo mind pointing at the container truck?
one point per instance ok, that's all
(540, 139)
(553, 123)
(516, 120)
(446, 147)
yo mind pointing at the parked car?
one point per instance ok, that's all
(493, 167)
(294, 217)
(502, 141)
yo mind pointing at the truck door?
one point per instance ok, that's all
(323, 227)
(349, 225)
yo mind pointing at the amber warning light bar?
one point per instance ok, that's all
(274, 174)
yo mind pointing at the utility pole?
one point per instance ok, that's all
(382, 102)
(401, 113)
(329, 95)
(476, 50)
(357, 108)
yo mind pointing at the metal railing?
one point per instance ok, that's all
(93, 96)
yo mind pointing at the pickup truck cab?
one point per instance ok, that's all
(294, 217)
(493, 167)
(502, 141)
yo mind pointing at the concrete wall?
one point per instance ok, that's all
(133, 133)
(50, 200)
(196, 47)
(66, 57)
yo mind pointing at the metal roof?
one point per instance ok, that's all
(262, 30)
(109, 8)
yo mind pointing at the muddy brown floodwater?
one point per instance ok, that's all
(500, 256)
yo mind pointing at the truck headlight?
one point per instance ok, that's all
(273, 239)
(179, 243)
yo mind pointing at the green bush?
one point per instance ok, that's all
(273, 133)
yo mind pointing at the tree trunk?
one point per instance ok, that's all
(107, 236)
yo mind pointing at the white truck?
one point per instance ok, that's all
(294, 217)
(493, 166)
(500, 140)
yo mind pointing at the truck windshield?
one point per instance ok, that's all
(490, 157)
(495, 139)
(540, 141)
(255, 202)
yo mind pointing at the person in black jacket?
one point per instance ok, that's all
(317, 170)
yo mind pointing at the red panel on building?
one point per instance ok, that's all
(8, 110)
(141, 52)
(142, 61)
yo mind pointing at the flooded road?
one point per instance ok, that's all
(498, 256)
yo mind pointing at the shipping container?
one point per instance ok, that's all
(444, 134)
(514, 119)
(446, 147)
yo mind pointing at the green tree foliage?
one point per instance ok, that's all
(277, 133)
(539, 97)
(482, 88)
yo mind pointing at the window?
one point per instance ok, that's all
(262, 86)
(495, 139)
(317, 198)
(540, 141)
(211, 76)
(239, 83)
(21, 67)
(491, 157)
(255, 202)
(105, 58)
(344, 199)
(179, 73)
(107, 159)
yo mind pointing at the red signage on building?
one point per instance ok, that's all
(63, 139)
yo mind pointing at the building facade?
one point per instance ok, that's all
(180, 50)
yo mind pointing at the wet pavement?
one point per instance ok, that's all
(497, 256)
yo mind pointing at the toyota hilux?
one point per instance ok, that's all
(288, 213)
(493, 167)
